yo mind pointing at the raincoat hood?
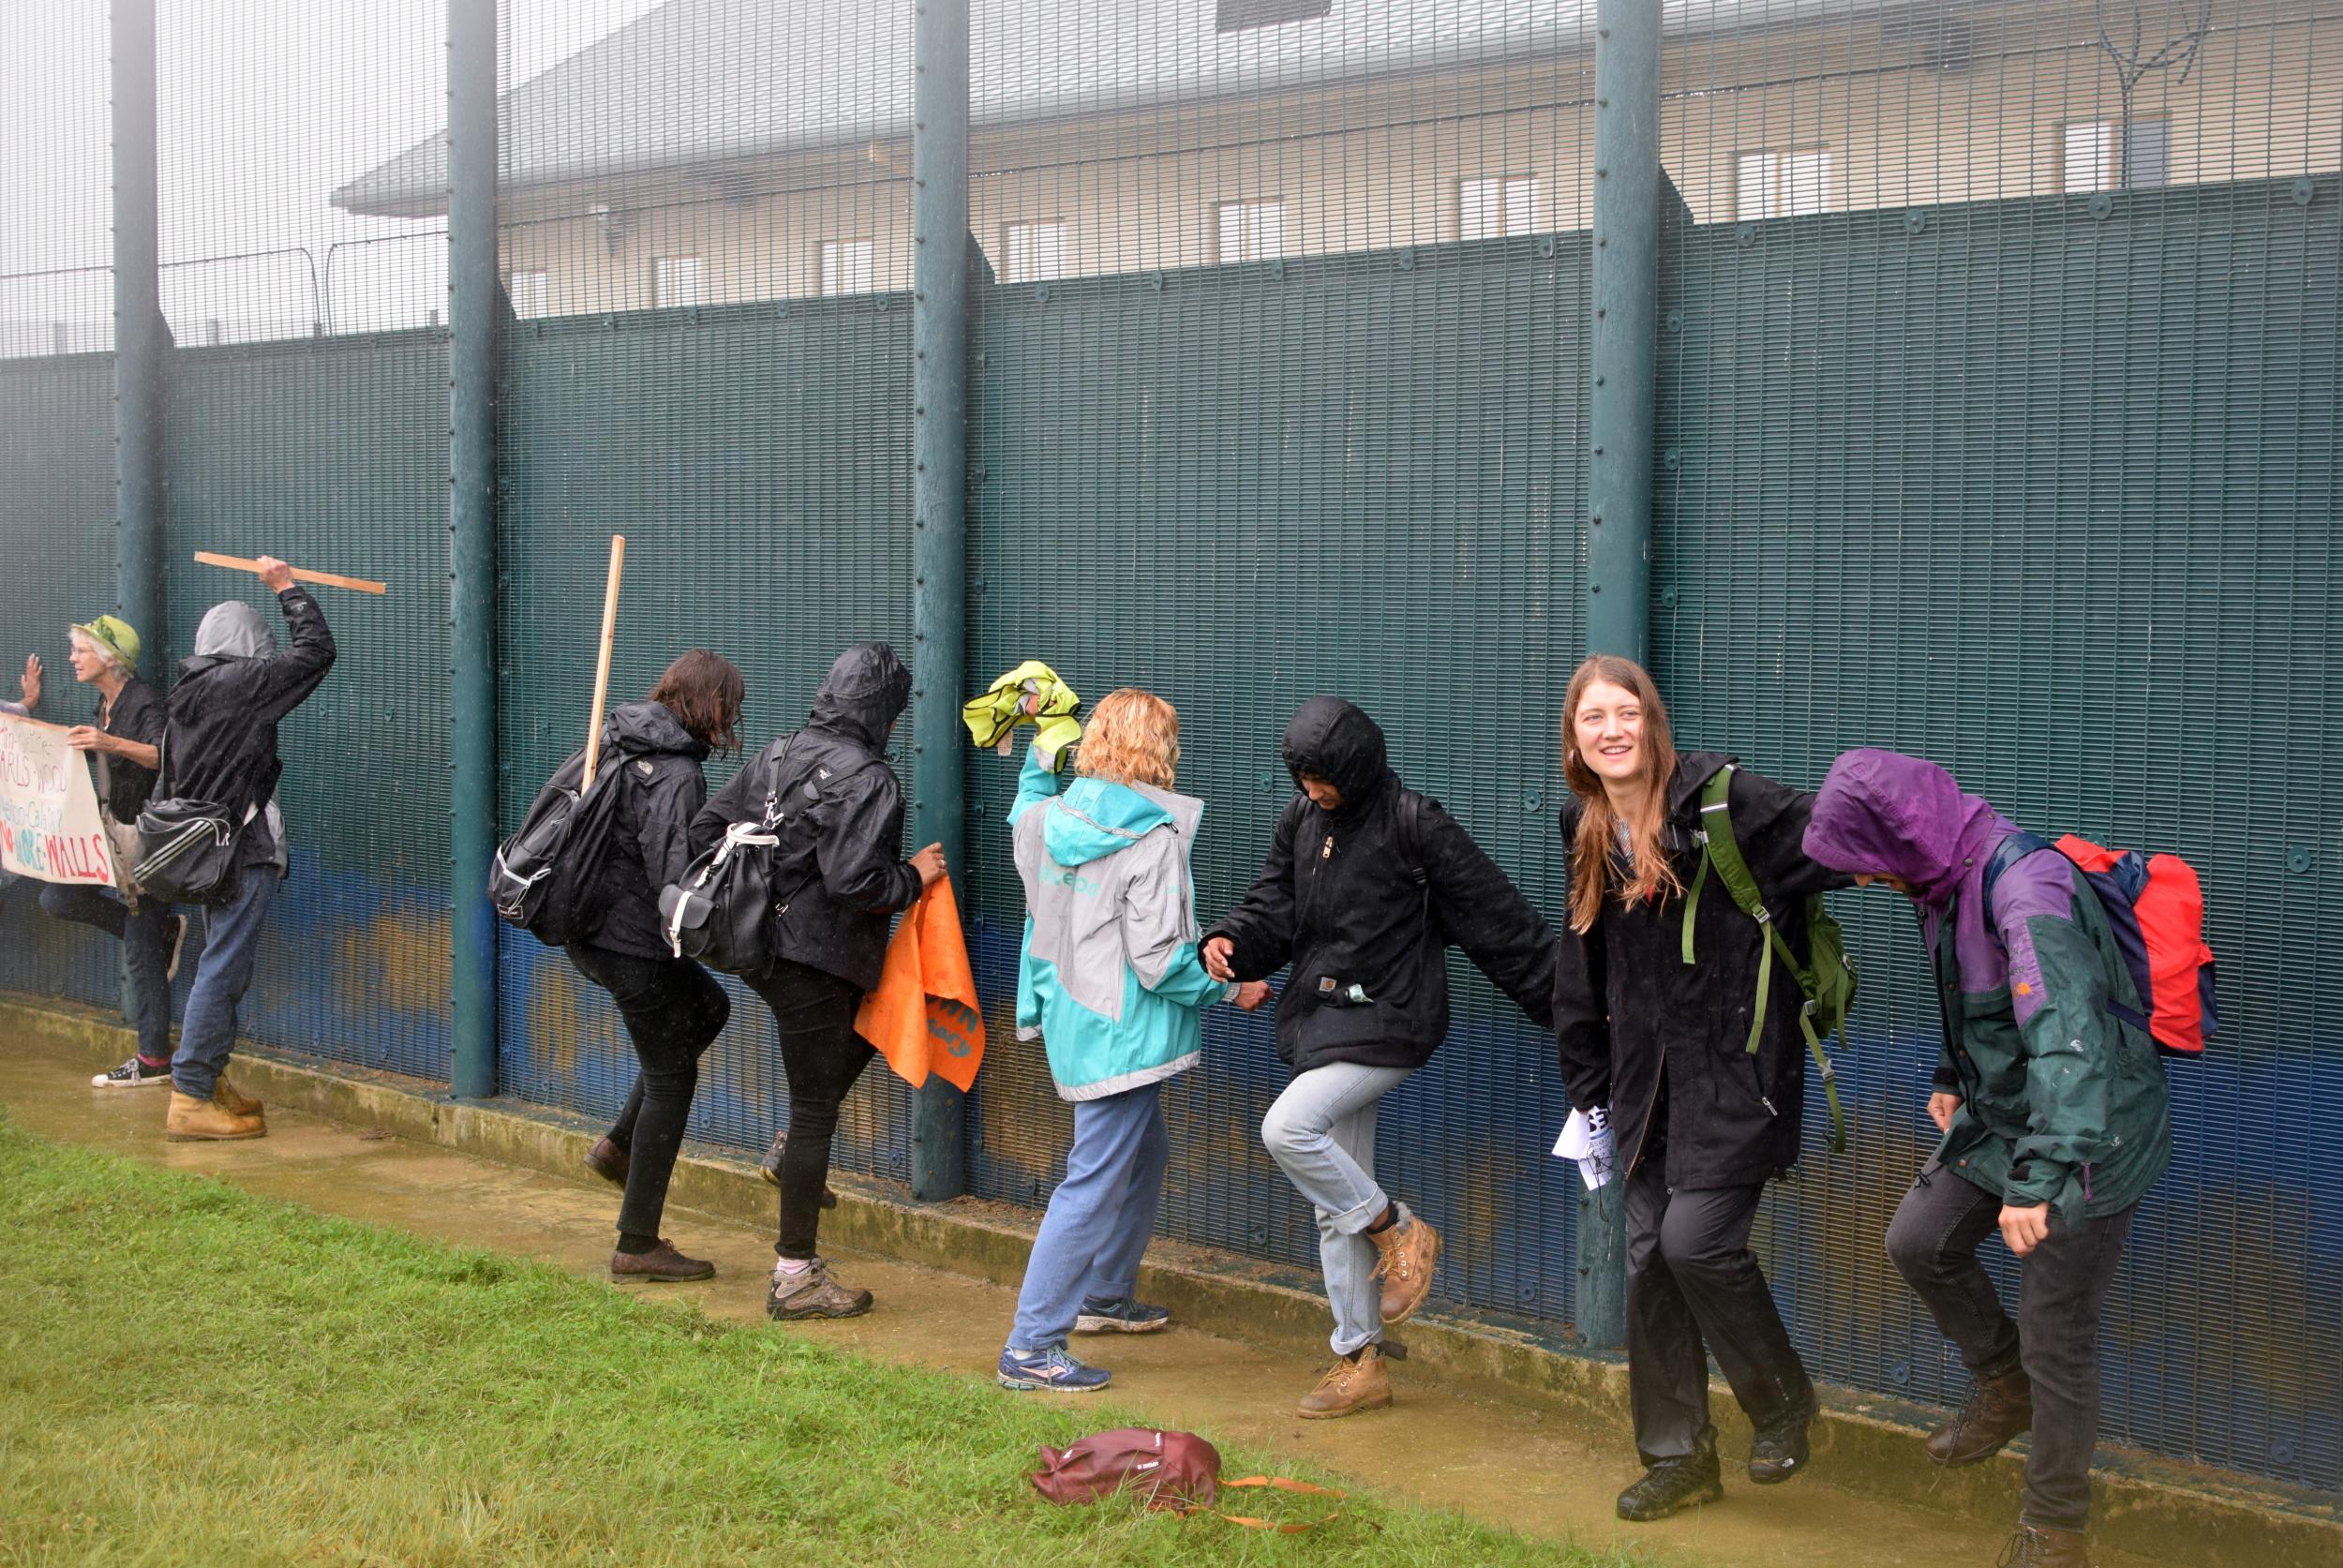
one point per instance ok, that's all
(234, 630)
(649, 727)
(1338, 742)
(1883, 813)
(1094, 817)
(863, 694)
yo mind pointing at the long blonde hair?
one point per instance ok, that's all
(1132, 737)
(1648, 870)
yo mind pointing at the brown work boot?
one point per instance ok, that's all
(2036, 1547)
(812, 1294)
(1999, 1409)
(608, 1160)
(1350, 1385)
(1410, 1247)
(662, 1265)
(233, 1099)
(191, 1120)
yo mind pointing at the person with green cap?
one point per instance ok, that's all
(123, 742)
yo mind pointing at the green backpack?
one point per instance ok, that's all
(1826, 980)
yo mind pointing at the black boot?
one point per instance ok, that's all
(1777, 1451)
(1675, 1485)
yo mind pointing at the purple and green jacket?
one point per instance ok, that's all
(2062, 1101)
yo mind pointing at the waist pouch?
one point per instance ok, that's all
(188, 852)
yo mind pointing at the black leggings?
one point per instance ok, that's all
(813, 1013)
(674, 1010)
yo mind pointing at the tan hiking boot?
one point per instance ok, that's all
(1409, 1248)
(1998, 1410)
(2036, 1547)
(197, 1121)
(1348, 1387)
(233, 1099)
(814, 1295)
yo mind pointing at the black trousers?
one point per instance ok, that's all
(674, 1010)
(814, 1014)
(1694, 1288)
(2064, 1282)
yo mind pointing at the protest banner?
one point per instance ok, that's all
(49, 823)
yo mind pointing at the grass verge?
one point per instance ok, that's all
(192, 1374)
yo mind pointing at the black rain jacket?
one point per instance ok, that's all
(840, 874)
(657, 763)
(1339, 897)
(1634, 1022)
(220, 725)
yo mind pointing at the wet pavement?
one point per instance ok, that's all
(1511, 1460)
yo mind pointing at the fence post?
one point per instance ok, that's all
(142, 339)
(475, 310)
(1625, 355)
(939, 548)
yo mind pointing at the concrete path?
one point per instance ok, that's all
(1484, 1450)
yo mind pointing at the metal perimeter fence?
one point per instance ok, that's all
(1994, 418)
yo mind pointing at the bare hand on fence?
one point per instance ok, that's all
(275, 573)
(929, 863)
(30, 685)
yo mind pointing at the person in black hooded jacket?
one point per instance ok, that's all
(1699, 1124)
(674, 1010)
(841, 878)
(1366, 884)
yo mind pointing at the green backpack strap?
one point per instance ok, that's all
(1723, 851)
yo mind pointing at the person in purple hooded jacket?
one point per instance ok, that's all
(2053, 1108)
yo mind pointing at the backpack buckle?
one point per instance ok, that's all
(1763, 915)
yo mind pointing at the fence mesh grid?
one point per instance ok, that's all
(1998, 376)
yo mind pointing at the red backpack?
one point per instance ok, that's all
(1178, 1470)
(2157, 909)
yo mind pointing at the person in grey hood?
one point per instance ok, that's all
(839, 877)
(219, 745)
(674, 1010)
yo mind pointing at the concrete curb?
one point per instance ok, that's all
(2153, 1507)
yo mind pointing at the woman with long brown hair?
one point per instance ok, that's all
(1654, 1003)
(674, 1010)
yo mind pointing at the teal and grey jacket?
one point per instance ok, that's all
(1110, 979)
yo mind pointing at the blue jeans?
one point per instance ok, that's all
(232, 945)
(143, 944)
(1321, 1134)
(1101, 1217)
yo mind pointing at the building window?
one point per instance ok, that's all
(1251, 231)
(527, 293)
(2088, 154)
(1493, 207)
(1033, 252)
(1238, 15)
(1781, 184)
(846, 267)
(675, 282)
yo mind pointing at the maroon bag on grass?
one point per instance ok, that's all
(1178, 1470)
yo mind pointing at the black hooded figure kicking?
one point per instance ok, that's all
(1366, 884)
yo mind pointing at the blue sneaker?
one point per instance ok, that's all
(1120, 1315)
(1051, 1368)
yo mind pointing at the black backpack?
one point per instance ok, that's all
(542, 878)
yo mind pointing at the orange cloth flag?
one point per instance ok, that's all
(924, 1017)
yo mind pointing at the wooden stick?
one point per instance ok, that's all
(323, 580)
(602, 663)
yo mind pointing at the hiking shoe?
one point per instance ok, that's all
(814, 1295)
(1050, 1369)
(175, 939)
(1998, 1410)
(2036, 1547)
(1409, 1250)
(132, 1074)
(1673, 1486)
(1120, 1315)
(1778, 1452)
(608, 1160)
(206, 1121)
(662, 1265)
(769, 1168)
(1352, 1384)
(233, 1099)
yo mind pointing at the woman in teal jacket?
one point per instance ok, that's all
(1110, 980)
